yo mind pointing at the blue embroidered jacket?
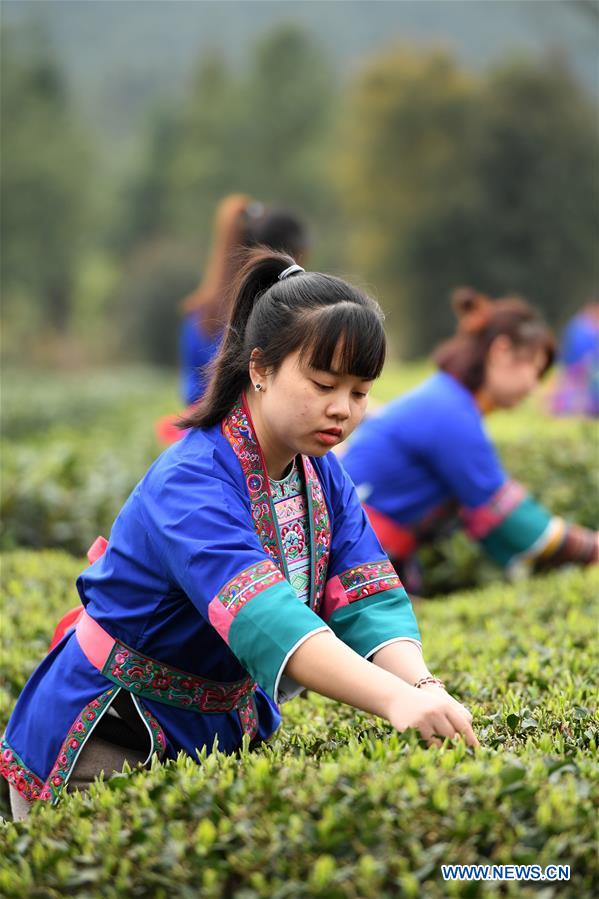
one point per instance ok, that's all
(194, 577)
(427, 458)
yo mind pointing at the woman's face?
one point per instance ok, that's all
(303, 410)
(511, 372)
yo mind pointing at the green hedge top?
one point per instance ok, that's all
(339, 805)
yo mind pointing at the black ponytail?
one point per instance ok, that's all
(315, 313)
(229, 372)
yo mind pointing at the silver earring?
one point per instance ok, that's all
(258, 386)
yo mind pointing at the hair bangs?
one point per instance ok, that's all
(345, 339)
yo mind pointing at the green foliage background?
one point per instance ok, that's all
(414, 172)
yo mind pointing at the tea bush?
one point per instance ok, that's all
(35, 401)
(338, 805)
(72, 451)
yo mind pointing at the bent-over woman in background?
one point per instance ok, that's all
(242, 568)
(240, 223)
(426, 463)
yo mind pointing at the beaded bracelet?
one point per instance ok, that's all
(429, 680)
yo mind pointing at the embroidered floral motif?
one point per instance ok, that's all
(248, 716)
(247, 584)
(237, 429)
(16, 772)
(155, 680)
(365, 580)
(321, 533)
(291, 509)
(294, 541)
(79, 732)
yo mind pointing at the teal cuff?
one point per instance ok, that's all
(367, 623)
(267, 630)
(518, 533)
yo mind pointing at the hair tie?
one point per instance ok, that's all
(255, 210)
(294, 269)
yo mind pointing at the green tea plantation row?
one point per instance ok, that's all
(339, 805)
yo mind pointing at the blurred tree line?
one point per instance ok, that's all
(415, 176)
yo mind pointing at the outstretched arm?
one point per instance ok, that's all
(516, 530)
(404, 659)
(512, 527)
(325, 664)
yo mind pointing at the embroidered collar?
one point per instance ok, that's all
(238, 429)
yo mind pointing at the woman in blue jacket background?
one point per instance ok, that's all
(240, 222)
(425, 463)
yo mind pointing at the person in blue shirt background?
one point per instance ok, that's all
(425, 463)
(576, 390)
(240, 223)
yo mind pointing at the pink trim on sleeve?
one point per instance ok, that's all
(220, 618)
(481, 521)
(334, 597)
(240, 590)
(358, 583)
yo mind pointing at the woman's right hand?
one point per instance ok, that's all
(435, 714)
